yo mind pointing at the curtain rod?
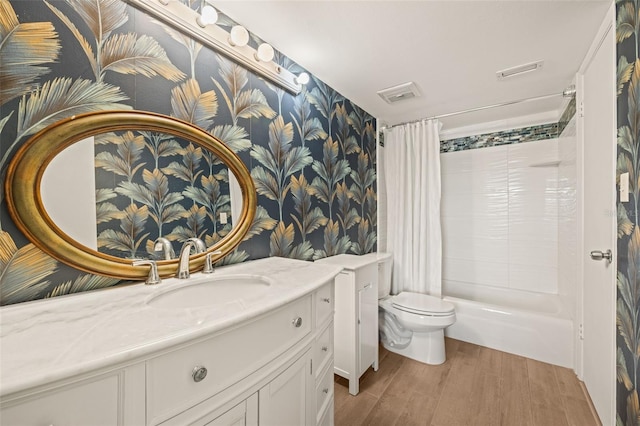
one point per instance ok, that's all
(567, 93)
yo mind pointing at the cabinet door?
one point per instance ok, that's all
(243, 414)
(93, 403)
(285, 400)
(367, 327)
(111, 399)
(345, 326)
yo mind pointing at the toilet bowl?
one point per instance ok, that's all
(412, 324)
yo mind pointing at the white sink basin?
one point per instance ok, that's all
(211, 292)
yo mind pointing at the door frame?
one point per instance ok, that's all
(608, 24)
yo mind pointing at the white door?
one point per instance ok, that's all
(598, 313)
(367, 285)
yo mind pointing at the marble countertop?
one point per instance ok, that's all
(56, 338)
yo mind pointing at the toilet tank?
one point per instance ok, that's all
(385, 268)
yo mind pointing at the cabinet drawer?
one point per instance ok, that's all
(323, 349)
(324, 392)
(324, 303)
(92, 403)
(228, 358)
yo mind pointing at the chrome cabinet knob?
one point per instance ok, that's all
(297, 322)
(199, 373)
(324, 349)
(325, 390)
(326, 300)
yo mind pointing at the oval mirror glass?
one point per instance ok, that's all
(97, 190)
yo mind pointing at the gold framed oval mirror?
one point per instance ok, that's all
(24, 183)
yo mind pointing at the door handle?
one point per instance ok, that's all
(599, 255)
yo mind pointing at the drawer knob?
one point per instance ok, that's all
(325, 390)
(324, 349)
(326, 300)
(297, 322)
(199, 373)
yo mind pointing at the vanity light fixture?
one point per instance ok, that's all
(233, 45)
(239, 36)
(208, 16)
(264, 53)
(302, 78)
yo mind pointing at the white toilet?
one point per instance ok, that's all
(412, 324)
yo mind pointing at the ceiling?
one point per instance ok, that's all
(450, 49)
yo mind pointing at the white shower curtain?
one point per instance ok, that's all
(412, 176)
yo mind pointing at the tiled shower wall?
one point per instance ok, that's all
(500, 216)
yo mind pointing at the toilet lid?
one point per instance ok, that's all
(422, 304)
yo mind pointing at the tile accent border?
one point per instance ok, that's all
(506, 137)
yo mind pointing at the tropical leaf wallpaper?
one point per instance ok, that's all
(312, 156)
(628, 161)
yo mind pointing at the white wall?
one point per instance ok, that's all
(500, 216)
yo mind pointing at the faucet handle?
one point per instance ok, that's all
(153, 277)
(208, 265)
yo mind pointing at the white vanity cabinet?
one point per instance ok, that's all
(356, 316)
(174, 383)
(272, 371)
(274, 368)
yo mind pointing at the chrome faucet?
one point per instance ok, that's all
(163, 245)
(185, 253)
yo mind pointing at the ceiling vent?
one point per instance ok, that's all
(399, 93)
(520, 69)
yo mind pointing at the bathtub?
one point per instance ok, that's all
(533, 325)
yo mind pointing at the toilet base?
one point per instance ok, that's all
(427, 348)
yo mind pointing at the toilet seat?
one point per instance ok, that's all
(422, 304)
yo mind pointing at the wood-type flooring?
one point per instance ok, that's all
(475, 386)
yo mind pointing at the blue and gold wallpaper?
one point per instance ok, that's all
(311, 156)
(628, 274)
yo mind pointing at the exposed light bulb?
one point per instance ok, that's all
(208, 16)
(302, 78)
(265, 53)
(239, 36)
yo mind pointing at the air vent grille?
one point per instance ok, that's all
(520, 69)
(399, 93)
